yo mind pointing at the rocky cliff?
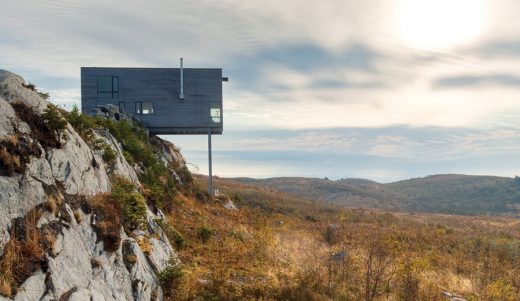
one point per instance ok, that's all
(51, 245)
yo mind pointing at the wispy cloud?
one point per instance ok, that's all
(331, 80)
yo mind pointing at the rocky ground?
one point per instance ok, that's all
(76, 265)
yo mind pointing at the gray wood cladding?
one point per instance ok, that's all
(161, 86)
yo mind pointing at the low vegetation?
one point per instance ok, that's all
(158, 182)
(275, 246)
(276, 249)
(107, 221)
(26, 251)
(44, 130)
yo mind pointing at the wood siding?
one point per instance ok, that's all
(161, 86)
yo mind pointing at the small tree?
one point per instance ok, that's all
(82, 124)
(54, 120)
(379, 264)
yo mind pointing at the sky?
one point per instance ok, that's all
(378, 89)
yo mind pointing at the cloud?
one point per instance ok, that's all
(383, 154)
(508, 48)
(333, 81)
(462, 81)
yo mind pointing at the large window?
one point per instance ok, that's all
(214, 114)
(144, 107)
(108, 86)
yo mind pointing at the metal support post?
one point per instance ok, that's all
(210, 176)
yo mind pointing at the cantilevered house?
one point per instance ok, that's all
(165, 100)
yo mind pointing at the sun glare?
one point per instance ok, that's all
(439, 24)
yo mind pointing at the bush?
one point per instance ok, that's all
(40, 129)
(82, 124)
(131, 203)
(205, 233)
(54, 120)
(170, 278)
(109, 155)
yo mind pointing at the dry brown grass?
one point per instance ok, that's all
(95, 263)
(9, 162)
(53, 204)
(78, 216)
(108, 221)
(144, 245)
(131, 258)
(5, 287)
(24, 253)
(278, 253)
(12, 139)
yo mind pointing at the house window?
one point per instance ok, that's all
(214, 114)
(108, 86)
(144, 107)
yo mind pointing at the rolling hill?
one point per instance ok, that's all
(450, 193)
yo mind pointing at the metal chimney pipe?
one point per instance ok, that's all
(181, 95)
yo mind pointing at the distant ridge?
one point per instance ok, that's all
(444, 193)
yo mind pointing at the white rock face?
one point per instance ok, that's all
(7, 118)
(73, 166)
(33, 288)
(79, 268)
(162, 253)
(121, 166)
(18, 195)
(12, 89)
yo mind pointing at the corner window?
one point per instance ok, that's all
(214, 114)
(144, 107)
(108, 86)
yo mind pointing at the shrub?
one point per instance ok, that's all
(30, 86)
(173, 235)
(54, 120)
(81, 123)
(44, 95)
(179, 240)
(170, 278)
(109, 155)
(40, 130)
(332, 234)
(205, 233)
(131, 203)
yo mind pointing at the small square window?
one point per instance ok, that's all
(214, 114)
(108, 86)
(144, 107)
(147, 107)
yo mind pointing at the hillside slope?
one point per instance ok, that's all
(75, 219)
(455, 194)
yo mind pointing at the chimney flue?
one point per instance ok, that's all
(181, 95)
